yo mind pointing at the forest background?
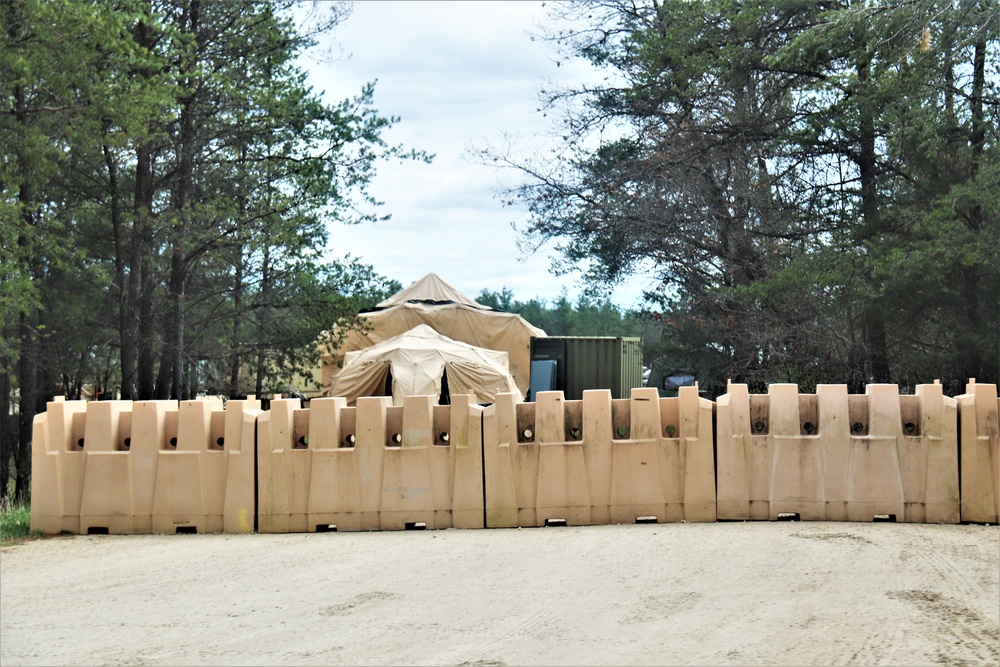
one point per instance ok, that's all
(814, 184)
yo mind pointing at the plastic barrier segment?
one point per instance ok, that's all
(837, 457)
(191, 470)
(57, 467)
(978, 410)
(108, 501)
(154, 423)
(371, 467)
(283, 467)
(239, 510)
(383, 467)
(599, 460)
(432, 471)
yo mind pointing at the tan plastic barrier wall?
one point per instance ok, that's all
(163, 466)
(370, 467)
(838, 457)
(978, 410)
(148, 466)
(599, 460)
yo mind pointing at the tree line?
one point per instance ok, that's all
(815, 184)
(168, 180)
(590, 316)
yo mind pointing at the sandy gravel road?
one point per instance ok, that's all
(702, 594)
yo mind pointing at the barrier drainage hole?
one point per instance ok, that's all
(187, 530)
(808, 427)
(415, 525)
(326, 528)
(759, 426)
(397, 438)
(444, 437)
(884, 518)
(79, 443)
(349, 440)
(98, 530)
(127, 443)
(527, 434)
(173, 442)
(788, 516)
(220, 441)
(909, 428)
(671, 430)
(574, 433)
(857, 427)
(645, 519)
(555, 522)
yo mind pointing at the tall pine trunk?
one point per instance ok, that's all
(141, 292)
(263, 313)
(27, 325)
(122, 280)
(235, 357)
(873, 319)
(971, 354)
(6, 433)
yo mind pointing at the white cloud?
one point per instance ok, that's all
(459, 75)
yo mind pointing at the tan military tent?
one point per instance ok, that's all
(422, 362)
(434, 302)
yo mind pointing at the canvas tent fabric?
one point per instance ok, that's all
(457, 317)
(418, 360)
(431, 289)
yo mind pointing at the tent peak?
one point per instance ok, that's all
(430, 289)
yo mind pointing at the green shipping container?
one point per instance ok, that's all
(592, 363)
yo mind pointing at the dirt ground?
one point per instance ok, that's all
(702, 594)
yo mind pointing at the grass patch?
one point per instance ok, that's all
(15, 522)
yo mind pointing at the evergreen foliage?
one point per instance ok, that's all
(168, 180)
(815, 184)
(590, 316)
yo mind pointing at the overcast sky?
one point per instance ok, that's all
(459, 75)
